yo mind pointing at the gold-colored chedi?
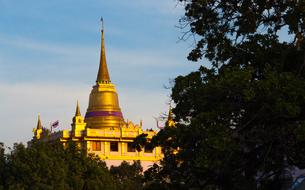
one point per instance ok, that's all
(103, 110)
(103, 131)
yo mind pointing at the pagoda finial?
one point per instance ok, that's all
(102, 23)
(39, 126)
(170, 119)
(77, 112)
(170, 113)
(103, 75)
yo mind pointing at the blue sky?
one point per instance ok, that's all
(49, 54)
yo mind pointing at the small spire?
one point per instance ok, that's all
(102, 23)
(103, 75)
(170, 121)
(170, 113)
(39, 126)
(77, 112)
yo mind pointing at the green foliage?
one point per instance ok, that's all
(50, 166)
(224, 27)
(240, 123)
(128, 176)
(2, 166)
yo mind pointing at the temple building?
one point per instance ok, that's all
(103, 131)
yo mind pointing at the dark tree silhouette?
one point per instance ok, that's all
(240, 122)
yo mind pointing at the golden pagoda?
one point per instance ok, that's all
(103, 131)
(103, 110)
(38, 130)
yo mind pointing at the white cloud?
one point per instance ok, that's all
(56, 98)
(145, 56)
(167, 7)
(47, 47)
(66, 62)
(171, 7)
(53, 72)
(20, 104)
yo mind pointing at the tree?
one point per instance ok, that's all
(241, 122)
(228, 29)
(128, 176)
(48, 165)
(2, 165)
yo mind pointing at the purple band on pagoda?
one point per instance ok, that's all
(103, 113)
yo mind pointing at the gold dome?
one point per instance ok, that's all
(103, 110)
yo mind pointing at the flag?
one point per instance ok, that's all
(55, 124)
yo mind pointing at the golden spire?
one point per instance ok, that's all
(170, 113)
(103, 75)
(77, 112)
(39, 126)
(103, 109)
(170, 121)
